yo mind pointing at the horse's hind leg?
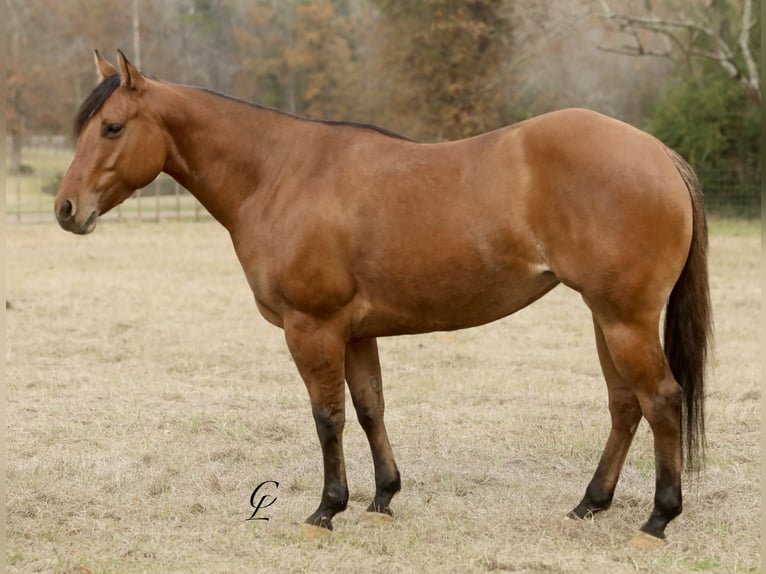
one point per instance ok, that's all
(635, 349)
(366, 387)
(625, 411)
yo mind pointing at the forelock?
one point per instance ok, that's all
(95, 101)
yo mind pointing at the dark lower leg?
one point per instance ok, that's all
(335, 492)
(625, 412)
(600, 490)
(663, 411)
(387, 479)
(366, 387)
(667, 502)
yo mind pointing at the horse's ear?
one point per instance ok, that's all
(104, 67)
(131, 77)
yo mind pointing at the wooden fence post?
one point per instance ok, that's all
(177, 192)
(40, 197)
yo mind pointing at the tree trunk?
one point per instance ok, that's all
(17, 131)
(16, 145)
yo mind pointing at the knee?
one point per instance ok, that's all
(329, 424)
(369, 412)
(366, 417)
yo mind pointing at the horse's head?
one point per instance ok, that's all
(121, 147)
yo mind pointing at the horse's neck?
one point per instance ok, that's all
(221, 149)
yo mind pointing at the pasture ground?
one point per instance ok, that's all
(147, 399)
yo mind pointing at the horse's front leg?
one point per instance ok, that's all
(366, 386)
(318, 350)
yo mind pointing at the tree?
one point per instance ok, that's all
(299, 56)
(712, 113)
(50, 66)
(26, 91)
(205, 48)
(444, 56)
(261, 30)
(708, 120)
(724, 32)
(322, 60)
(17, 80)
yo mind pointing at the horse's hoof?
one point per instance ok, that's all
(644, 541)
(376, 518)
(569, 524)
(311, 532)
(569, 520)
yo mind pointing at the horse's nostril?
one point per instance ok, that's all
(66, 211)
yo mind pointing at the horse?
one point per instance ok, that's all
(348, 232)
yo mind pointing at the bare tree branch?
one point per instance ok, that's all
(543, 29)
(708, 25)
(753, 79)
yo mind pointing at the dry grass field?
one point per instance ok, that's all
(147, 399)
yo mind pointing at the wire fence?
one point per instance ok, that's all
(732, 193)
(29, 198)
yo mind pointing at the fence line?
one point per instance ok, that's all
(732, 192)
(29, 198)
(31, 201)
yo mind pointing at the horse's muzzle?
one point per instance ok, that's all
(66, 215)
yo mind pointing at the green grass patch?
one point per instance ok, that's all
(734, 227)
(703, 565)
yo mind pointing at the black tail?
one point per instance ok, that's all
(689, 325)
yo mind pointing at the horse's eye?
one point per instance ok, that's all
(112, 130)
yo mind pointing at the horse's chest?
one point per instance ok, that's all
(315, 282)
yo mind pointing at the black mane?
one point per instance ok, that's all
(101, 93)
(94, 101)
(373, 127)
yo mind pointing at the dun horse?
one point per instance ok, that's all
(347, 233)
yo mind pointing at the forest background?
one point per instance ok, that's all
(686, 70)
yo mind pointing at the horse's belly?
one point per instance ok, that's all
(444, 305)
